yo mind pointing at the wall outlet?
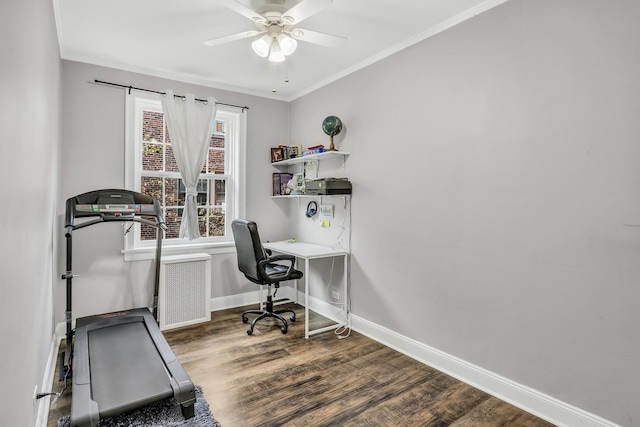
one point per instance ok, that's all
(335, 295)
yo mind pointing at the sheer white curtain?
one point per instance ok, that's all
(190, 125)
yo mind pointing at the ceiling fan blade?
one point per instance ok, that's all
(232, 37)
(303, 10)
(238, 7)
(316, 37)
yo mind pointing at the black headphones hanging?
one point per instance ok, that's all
(312, 209)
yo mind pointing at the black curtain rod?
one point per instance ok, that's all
(163, 93)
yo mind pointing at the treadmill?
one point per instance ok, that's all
(119, 361)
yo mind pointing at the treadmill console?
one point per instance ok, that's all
(116, 211)
(113, 205)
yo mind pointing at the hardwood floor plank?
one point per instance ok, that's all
(275, 379)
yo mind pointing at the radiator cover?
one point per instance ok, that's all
(184, 297)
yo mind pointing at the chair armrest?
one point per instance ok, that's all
(281, 257)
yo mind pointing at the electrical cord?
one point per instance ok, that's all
(345, 330)
(341, 330)
(329, 285)
(128, 229)
(60, 393)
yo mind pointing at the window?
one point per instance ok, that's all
(151, 169)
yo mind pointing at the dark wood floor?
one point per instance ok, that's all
(273, 379)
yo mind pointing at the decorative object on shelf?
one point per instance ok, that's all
(296, 184)
(316, 149)
(294, 151)
(332, 126)
(280, 184)
(277, 154)
(310, 170)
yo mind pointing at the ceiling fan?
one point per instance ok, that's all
(277, 26)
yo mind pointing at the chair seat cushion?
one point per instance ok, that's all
(276, 271)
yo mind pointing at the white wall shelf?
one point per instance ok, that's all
(343, 197)
(293, 196)
(310, 157)
(306, 162)
(308, 196)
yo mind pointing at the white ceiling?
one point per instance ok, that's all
(165, 38)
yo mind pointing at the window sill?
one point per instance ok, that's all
(149, 253)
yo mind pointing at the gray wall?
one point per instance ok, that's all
(30, 123)
(495, 208)
(93, 158)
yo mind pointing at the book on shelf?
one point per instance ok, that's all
(280, 181)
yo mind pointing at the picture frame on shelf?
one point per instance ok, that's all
(277, 154)
(294, 151)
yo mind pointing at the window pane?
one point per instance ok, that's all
(201, 187)
(172, 192)
(216, 222)
(152, 126)
(217, 141)
(219, 127)
(167, 137)
(151, 156)
(172, 218)
(218, 198)
(216, 161)
(202, 221)
(147, 232)
(152, 186)
(171, 164)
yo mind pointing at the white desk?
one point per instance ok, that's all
(307, 252)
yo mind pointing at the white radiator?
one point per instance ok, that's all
(184, 297)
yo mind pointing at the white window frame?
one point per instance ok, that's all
(235, 170)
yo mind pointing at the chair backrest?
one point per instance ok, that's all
(248, 247)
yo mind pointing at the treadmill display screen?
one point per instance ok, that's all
(96, 209)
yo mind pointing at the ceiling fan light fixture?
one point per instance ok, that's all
(275, 53)
(287, 44)
(261, 46)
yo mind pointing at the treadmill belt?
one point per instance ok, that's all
(126, 370)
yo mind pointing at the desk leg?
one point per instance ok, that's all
(345, 292)
(297, 285)
(306, 298)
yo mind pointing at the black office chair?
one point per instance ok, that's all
(263, 269)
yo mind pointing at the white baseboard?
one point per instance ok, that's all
(42, 405)
(284, 292)
(528, 399)
(232, 301)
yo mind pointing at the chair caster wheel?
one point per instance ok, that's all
(245, 319)
(250, 331)
(292, 318)
(284, 329)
